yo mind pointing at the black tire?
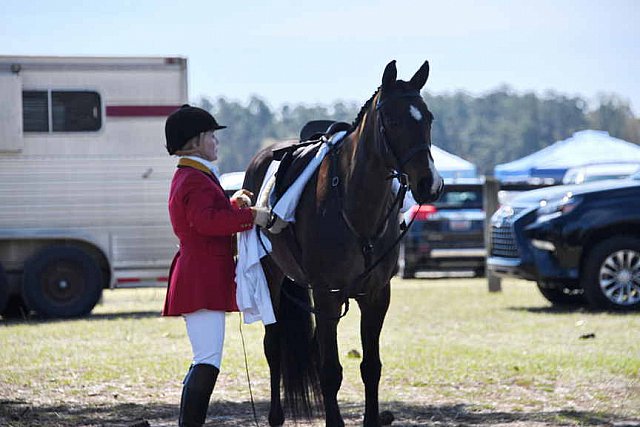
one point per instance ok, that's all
(4, 290)
(561, 296)
(407, 273)
(611, 274)
(15, 308)
(405, 270)
(62, 281)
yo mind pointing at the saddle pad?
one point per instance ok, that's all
(291, 166)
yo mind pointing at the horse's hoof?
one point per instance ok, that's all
(276, 420)
(386, 418)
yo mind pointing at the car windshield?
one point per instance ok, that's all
(460, 199)
(592, 178)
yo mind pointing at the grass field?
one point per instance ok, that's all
(453, 355)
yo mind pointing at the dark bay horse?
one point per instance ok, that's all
(342, 246)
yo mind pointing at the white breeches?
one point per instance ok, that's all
(206, 334)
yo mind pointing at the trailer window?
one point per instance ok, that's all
(75, 111)
(35, 111)
(61, 111)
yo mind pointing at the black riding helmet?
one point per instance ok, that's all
(185, 123)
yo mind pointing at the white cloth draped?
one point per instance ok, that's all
(252, 293)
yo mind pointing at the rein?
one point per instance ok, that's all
(368, 243)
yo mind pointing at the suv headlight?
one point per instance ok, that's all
(550, 209)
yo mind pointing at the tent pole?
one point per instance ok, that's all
(490, 203)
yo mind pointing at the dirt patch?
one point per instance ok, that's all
(18, 413)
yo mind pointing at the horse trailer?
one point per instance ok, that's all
(84, 178)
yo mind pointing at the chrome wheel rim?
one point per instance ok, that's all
(620, 277)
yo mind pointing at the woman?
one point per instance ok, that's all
(201, 281)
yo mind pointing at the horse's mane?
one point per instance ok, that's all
(362, 111)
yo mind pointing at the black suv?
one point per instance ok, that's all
(448, 234)
(578, 242)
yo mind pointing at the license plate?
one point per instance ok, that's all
(460, 225)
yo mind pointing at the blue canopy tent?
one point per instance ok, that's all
(587, 147)
(451, 166)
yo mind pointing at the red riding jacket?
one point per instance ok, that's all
(202, 274)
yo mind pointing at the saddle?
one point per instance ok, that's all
(295, 158)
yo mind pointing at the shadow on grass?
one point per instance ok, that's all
(552, 309)
(223, 413)
(37, 320)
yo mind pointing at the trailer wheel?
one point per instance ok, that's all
(62, 281)
(4, 290)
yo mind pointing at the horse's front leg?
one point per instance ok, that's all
(330, 368)
(271, 344)
(373, 310)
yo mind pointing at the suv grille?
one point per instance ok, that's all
(503, 240)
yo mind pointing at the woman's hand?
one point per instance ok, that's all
(265, 219)
(261, 216)
(242, 198)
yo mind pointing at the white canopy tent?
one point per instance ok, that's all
(451, 166)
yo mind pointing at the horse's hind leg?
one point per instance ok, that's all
(272, 352)
(373, 312)
(272, 343)
(330, 368)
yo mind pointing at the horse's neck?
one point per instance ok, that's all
(367, 189)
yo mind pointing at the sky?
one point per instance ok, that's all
(324, 51)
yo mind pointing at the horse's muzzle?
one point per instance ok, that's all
(428, 191)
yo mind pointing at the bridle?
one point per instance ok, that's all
(368, 243)
(399, 173)
(400, 162)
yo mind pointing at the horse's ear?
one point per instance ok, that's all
(390, 74)
(420, 77)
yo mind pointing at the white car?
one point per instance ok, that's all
(600, 172)
(231, 182)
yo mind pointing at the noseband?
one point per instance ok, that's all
(400, 162)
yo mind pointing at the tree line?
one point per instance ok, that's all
(486, 130)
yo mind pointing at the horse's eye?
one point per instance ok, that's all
(393, 122)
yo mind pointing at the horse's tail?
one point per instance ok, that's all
(299, 352)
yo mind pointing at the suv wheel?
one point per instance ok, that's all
(611, 274)
(560, 295)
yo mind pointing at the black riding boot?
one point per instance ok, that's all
(196, 392)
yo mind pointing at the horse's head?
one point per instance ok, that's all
(403, 125)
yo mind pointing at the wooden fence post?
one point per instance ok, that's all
(490, 203)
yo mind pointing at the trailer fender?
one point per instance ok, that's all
(4, 290)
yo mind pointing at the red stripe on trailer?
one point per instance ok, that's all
(140, 110)
(128, 280)
(162, 279)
